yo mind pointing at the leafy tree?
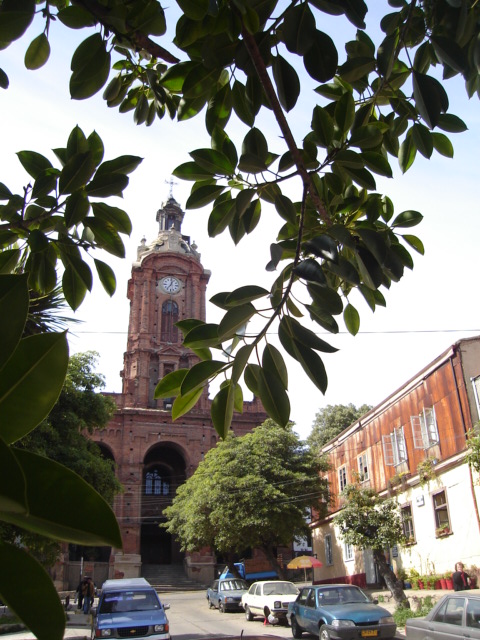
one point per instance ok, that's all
(370, 522)
(332, 420)
(250, 491)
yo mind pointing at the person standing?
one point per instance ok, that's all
(79, 594)
(88, 591)
(461, 579)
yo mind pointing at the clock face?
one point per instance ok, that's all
(171, 284)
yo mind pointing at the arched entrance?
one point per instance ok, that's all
(163, 472)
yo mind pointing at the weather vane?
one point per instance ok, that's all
(171, 183)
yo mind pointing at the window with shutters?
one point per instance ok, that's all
(394, 449)
(424, 429)
(407, 523)
(347, 551)
(363, 467)
(342, 478)
(440, 508)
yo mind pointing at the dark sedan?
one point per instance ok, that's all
(339, 612)
(456, 615)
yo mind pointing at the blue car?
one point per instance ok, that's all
(130, 608)
(339, 612)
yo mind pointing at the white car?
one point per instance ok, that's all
(269, 599)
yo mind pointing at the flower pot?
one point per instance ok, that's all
(438, 584)
(449, 583)
(421, 585)
(443, 583)
(473, 582)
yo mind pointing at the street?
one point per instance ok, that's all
(190, 618)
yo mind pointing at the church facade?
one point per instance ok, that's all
(153, 454)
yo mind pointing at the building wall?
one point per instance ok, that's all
(443, 388)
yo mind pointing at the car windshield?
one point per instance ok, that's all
(279, 589)
(345, 595)
(125, 601)
(232, 585)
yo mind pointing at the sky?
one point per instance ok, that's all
(432, 307)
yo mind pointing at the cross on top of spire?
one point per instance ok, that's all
(171, 183)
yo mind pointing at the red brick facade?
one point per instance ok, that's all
(153, 454)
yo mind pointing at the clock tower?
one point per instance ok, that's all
(154, 455)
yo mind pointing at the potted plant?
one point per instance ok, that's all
(426, 471)
(448, 580)
(413, 577)
(442, 530)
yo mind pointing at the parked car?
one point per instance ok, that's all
(226, 594)
(130, 608)
(456, 615)
(339, 611)
(269, 599)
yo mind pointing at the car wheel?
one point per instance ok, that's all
(221, 607)
(248, 614)
(324, 633)
(296, 630)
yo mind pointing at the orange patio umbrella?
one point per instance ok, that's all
(304, 562)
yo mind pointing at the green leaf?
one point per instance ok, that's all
(117, 217)
(14, 302)
(241, 104)
(87, 520)
(77, 172)
(107, 276)
(352, 319)
(107, 185)
(221, 216)
(77, 207)
(204, 195)
(200, 82)
(430, 98)
(442, 144)
(321, 59)
(322, 246)
(38, 52)
(377, 163)
(74, 283)
(170, 384)
(201, 336)
(76, 17)
(34, 163)
(199, 374)
(12, 482)
(375, 243)
(106, 236)
(4, 81)
(345, 112)
(326, 298)
(36, 370)
(449, 52)
(299, 29)
(234, 320)
(422, 137)
(241, 360)
(90, 66)
(273, 361)
(213, 161)
(192, 171)
(31, 598)
(194, 9)
(274, 397)
(451, 123)
(122, 165)
(305, 336)
(287, 82)
(366, 137)
(9, 260)
(310, 270)
(219, 109)
(323, 318)
(15, 18)
(323, 126)
(175, 75)
(407, 219)
(406, 154)
(415, 242)
(183, 404)
(311, 362)
(245, 294)
(222, 409)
